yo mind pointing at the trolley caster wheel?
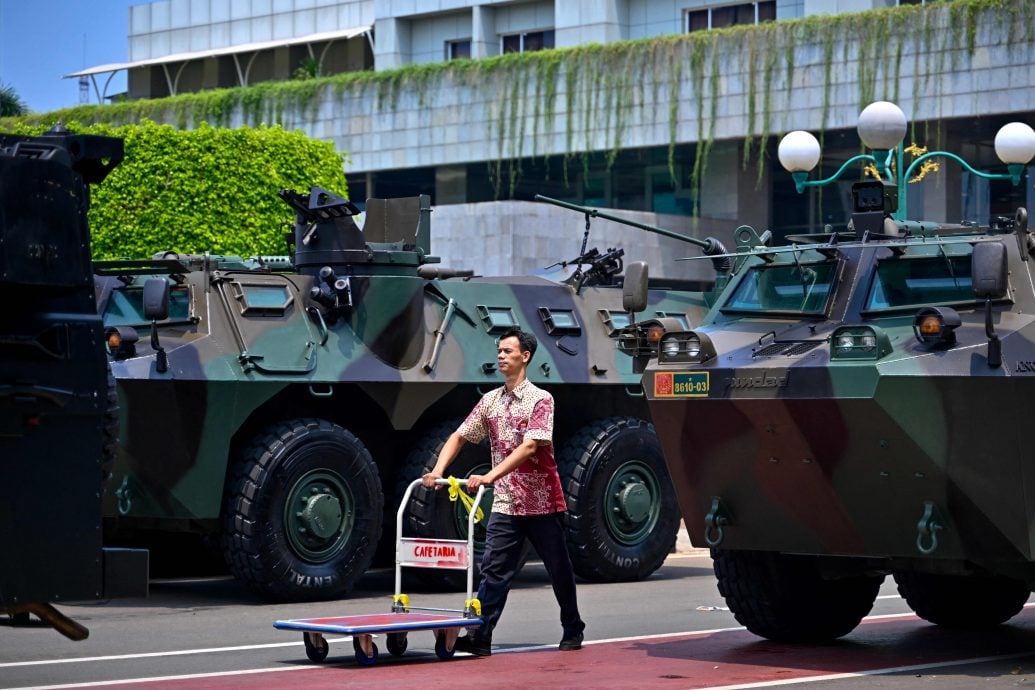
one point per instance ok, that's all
(316, 646)
(364, 658)
(442, 651)
(396, 643)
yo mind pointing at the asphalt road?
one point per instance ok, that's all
(670, 630)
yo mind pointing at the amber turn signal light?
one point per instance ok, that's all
(936, 326)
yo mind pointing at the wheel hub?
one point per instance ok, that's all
(634, 502)
(321, 515)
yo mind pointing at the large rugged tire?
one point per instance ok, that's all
(303, 512)
(432, 515)
(959, 601)
(622, 512)
(785, 598)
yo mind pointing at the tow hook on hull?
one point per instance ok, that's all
(927, 529)
(715, 521)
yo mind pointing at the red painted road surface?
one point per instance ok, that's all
(690, 660)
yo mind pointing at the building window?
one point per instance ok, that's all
(527, 42)
(731, 15)
(458, 50)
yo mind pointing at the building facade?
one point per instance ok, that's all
(667, 109)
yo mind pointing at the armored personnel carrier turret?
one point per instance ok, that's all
(283, 403)
(853, 406)
(58, 408)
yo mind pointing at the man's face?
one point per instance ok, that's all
(509, 356)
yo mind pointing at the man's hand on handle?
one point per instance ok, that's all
(476, 480)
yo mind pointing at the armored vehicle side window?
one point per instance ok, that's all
(785, 289)
(560, 321)
(684, 322)
(126, 306)
(905, 282)
(497, 319)
(614, 321)
(260, 300)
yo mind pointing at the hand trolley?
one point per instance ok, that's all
(445, 624)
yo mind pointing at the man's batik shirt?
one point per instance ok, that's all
(526, 412)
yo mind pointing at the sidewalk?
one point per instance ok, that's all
(683, 544)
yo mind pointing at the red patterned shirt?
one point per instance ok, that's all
(534, 488)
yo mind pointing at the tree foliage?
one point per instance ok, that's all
(11, 103)
(204, 190)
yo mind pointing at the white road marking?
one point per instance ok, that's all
(159, 679)
(145, 655)
(871, 672)
(689, 633)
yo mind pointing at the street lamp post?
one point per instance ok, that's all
(881, 127)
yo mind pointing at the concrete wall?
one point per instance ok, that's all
(166, 27)
(591, 21)
(521, 237)
(454, 119)
(656, 18)
(428, 36)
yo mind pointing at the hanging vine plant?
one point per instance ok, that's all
(669, 87)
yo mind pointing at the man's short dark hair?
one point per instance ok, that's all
(526, 340)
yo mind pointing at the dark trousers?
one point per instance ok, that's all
(504, 538)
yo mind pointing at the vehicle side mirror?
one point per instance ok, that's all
(634, 288)
(156, 299)
(988, 270)
(156, 308)
(989, 277)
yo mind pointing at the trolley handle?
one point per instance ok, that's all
(438, 482)
(470, 532)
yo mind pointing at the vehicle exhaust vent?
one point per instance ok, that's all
(787, 349)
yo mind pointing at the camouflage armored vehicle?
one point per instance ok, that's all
(853, 406)
(284, 403)
(58, 410)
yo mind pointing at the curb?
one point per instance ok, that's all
(683, 544)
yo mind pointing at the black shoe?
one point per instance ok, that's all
(571, 642)
(476, 646)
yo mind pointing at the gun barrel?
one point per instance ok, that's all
(596, 213)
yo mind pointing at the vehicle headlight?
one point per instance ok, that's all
(859, 342)
(670, 347)
(685, 346)
(693, 346)
(845, 342)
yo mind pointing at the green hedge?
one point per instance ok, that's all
(207, 189)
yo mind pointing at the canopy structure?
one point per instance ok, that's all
(244, 53)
